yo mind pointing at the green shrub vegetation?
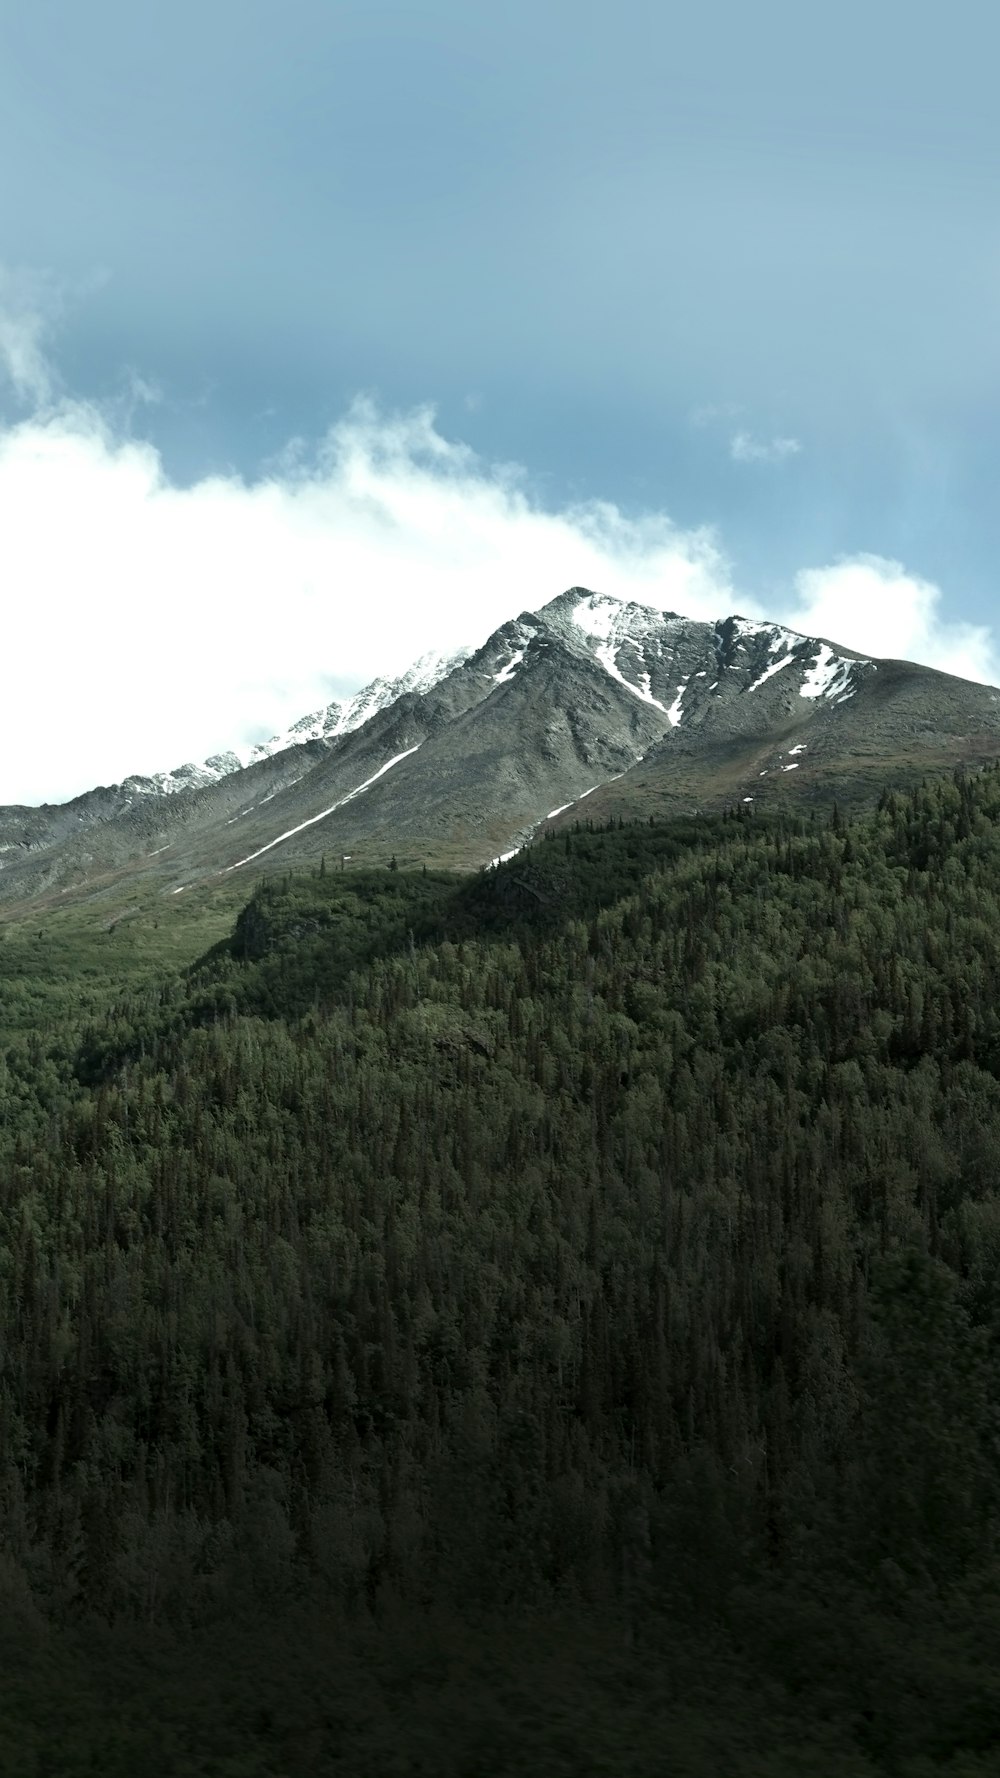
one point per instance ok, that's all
(541, 1322)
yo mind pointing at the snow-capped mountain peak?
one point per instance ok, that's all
(621, 709)
(671, 664)
(660, 656)
(340, 718)
(335, 719)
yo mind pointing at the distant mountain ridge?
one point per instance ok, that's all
(336, 718)
(588, 706)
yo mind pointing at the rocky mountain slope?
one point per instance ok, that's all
(335, 719)
(588, 707)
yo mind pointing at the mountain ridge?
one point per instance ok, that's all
(339, 717)
(464, 758)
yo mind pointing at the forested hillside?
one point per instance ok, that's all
(545, 1322)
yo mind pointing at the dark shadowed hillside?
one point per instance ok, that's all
(541, 1321)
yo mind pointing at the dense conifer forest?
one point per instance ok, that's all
(543, 1322)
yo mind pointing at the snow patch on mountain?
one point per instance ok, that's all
(769, 671)
(351, 794)
(510, 669)
(605, 652)
(829, 676)
(601, 617)
(779, 639)
(674, 713)
(342, 719)
(627, 639)
(607, 626)
(328, 724)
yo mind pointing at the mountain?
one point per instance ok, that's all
(588, 707)
(333, 720)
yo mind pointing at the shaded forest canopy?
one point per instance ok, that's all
(546, 1321)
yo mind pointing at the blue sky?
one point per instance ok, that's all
(726, 276)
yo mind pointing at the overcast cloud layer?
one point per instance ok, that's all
(150, 623)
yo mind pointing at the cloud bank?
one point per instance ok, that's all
(146, 624)
(872, 604)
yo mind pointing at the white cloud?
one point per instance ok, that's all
(872, 604)
(744, 448)
(27, 309)
(147, 624)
